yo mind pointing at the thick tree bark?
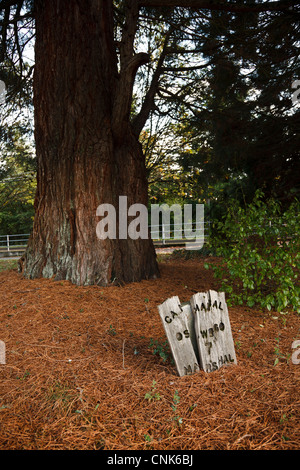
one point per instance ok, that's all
(86, 150)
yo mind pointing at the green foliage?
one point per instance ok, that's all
(176, 401)
(112, 331)
(183, 254)
(16, 219)
(17, 180)
(153, 394)
(279, 354)
(260, 256)
(161, 349)
(243, 136)
(8, 264)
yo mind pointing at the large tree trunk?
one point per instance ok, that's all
(86, 150)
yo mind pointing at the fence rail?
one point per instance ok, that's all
(12, 243)
(164, 234)
(171, 234)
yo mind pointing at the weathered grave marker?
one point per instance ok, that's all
(177, 321)
(199, 332)
(186, 307)
(213, 330)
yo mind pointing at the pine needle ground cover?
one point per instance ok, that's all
(89, 368)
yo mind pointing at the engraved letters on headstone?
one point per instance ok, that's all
(213, 330)
(177, 324)
(198, 332)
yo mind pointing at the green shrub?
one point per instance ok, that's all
(260, 256)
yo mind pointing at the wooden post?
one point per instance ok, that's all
(178, 324)
(213, 330)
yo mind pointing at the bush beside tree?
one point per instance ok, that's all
(259, 254)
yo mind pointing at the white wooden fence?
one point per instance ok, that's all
(161, 235)
(11, 243)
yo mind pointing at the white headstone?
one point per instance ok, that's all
(178, 325)
(198, 332)
(213, 330)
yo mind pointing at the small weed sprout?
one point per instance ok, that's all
(112, 331)
(278, 354)
(152, 395)
(161, 349)
(176, 401)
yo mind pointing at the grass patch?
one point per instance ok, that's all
(8, 264)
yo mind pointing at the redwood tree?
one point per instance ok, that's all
(88, 151)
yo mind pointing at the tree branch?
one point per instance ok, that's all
(164, 94)
(16, 33)
(129, 64)
(4, 34)
(148, 104)
(185, 69)
(8, 3)
(221, 5)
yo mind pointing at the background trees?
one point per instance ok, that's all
(17, 154)
(236, 124)
(215, 96)
(251, 120)
(206, 90)
(17, 181)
